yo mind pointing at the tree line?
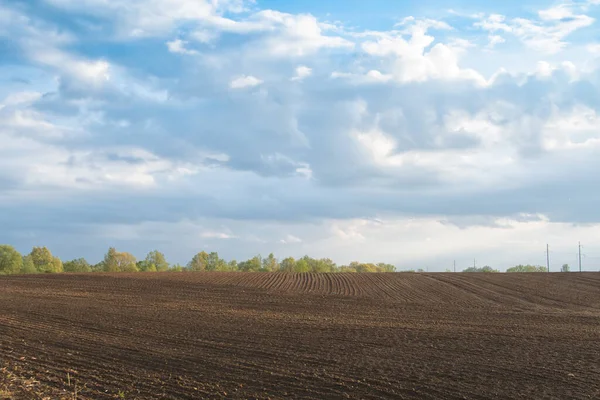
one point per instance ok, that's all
(518, 268)
(41, 260)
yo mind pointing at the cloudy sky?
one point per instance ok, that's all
(379, 130)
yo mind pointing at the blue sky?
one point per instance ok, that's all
(414, 133)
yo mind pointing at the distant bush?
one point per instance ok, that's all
(486, 269)
(77, 265)
(44, 261)
(11, 261)
(28, 267)
(115, 261)
(527, 268)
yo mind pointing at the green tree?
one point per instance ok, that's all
(323, 265)
(366, 267)
(270, 264)
(288, 264)
(158, 259)
(482, 269)
(154, 261)
(199, 262)
(565, 268)
(232, 265)
(177, 268)
(526, 268)
(98, 267)
(383, 267)
(28, 266)
(144, 266)
(215, 263)
(115, 261)
(252, 265)
(346, 268)
(44, 261)
(11, 261)
(302, 265)
(77, 265)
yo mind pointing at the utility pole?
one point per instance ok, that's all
(455, 266)
(548, 256)
(474, 263)
(579, 256)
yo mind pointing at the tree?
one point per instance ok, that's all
(346, 268)
(44, 261)
(77, 265)
(487, 269)
(177, 268)
(324, 265)
(28, 266)
(154, 261)
(252, 265)
(199, 262)
(527, 268)
(565, 268)
(115, 261)
(366, 267)
(232, 265)
(143, 266)
(11, 261)
(288, 264)
(383, 267)
(98, 267)
(215, 263)
(270, 264)
(302, 265)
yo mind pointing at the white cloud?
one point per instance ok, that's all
(544, 69)
(20, 98)
(216, 235)
(418, 59)
(548, 33)
(594, 48)
(178, 46)
(290, 239)
(139, 18)
(494, 40)
(245, 81)
(371, 77)
(578, 129)
(302, 72)
(295, 35)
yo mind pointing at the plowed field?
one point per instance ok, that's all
(318, 336)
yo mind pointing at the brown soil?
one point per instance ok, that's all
(319, 336)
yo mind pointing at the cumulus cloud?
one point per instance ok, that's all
(547, 33)
(417, 58)
(302, 72)
(178, 46)
(244, 82)
(140, 18)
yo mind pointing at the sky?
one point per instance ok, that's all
(414, 133)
